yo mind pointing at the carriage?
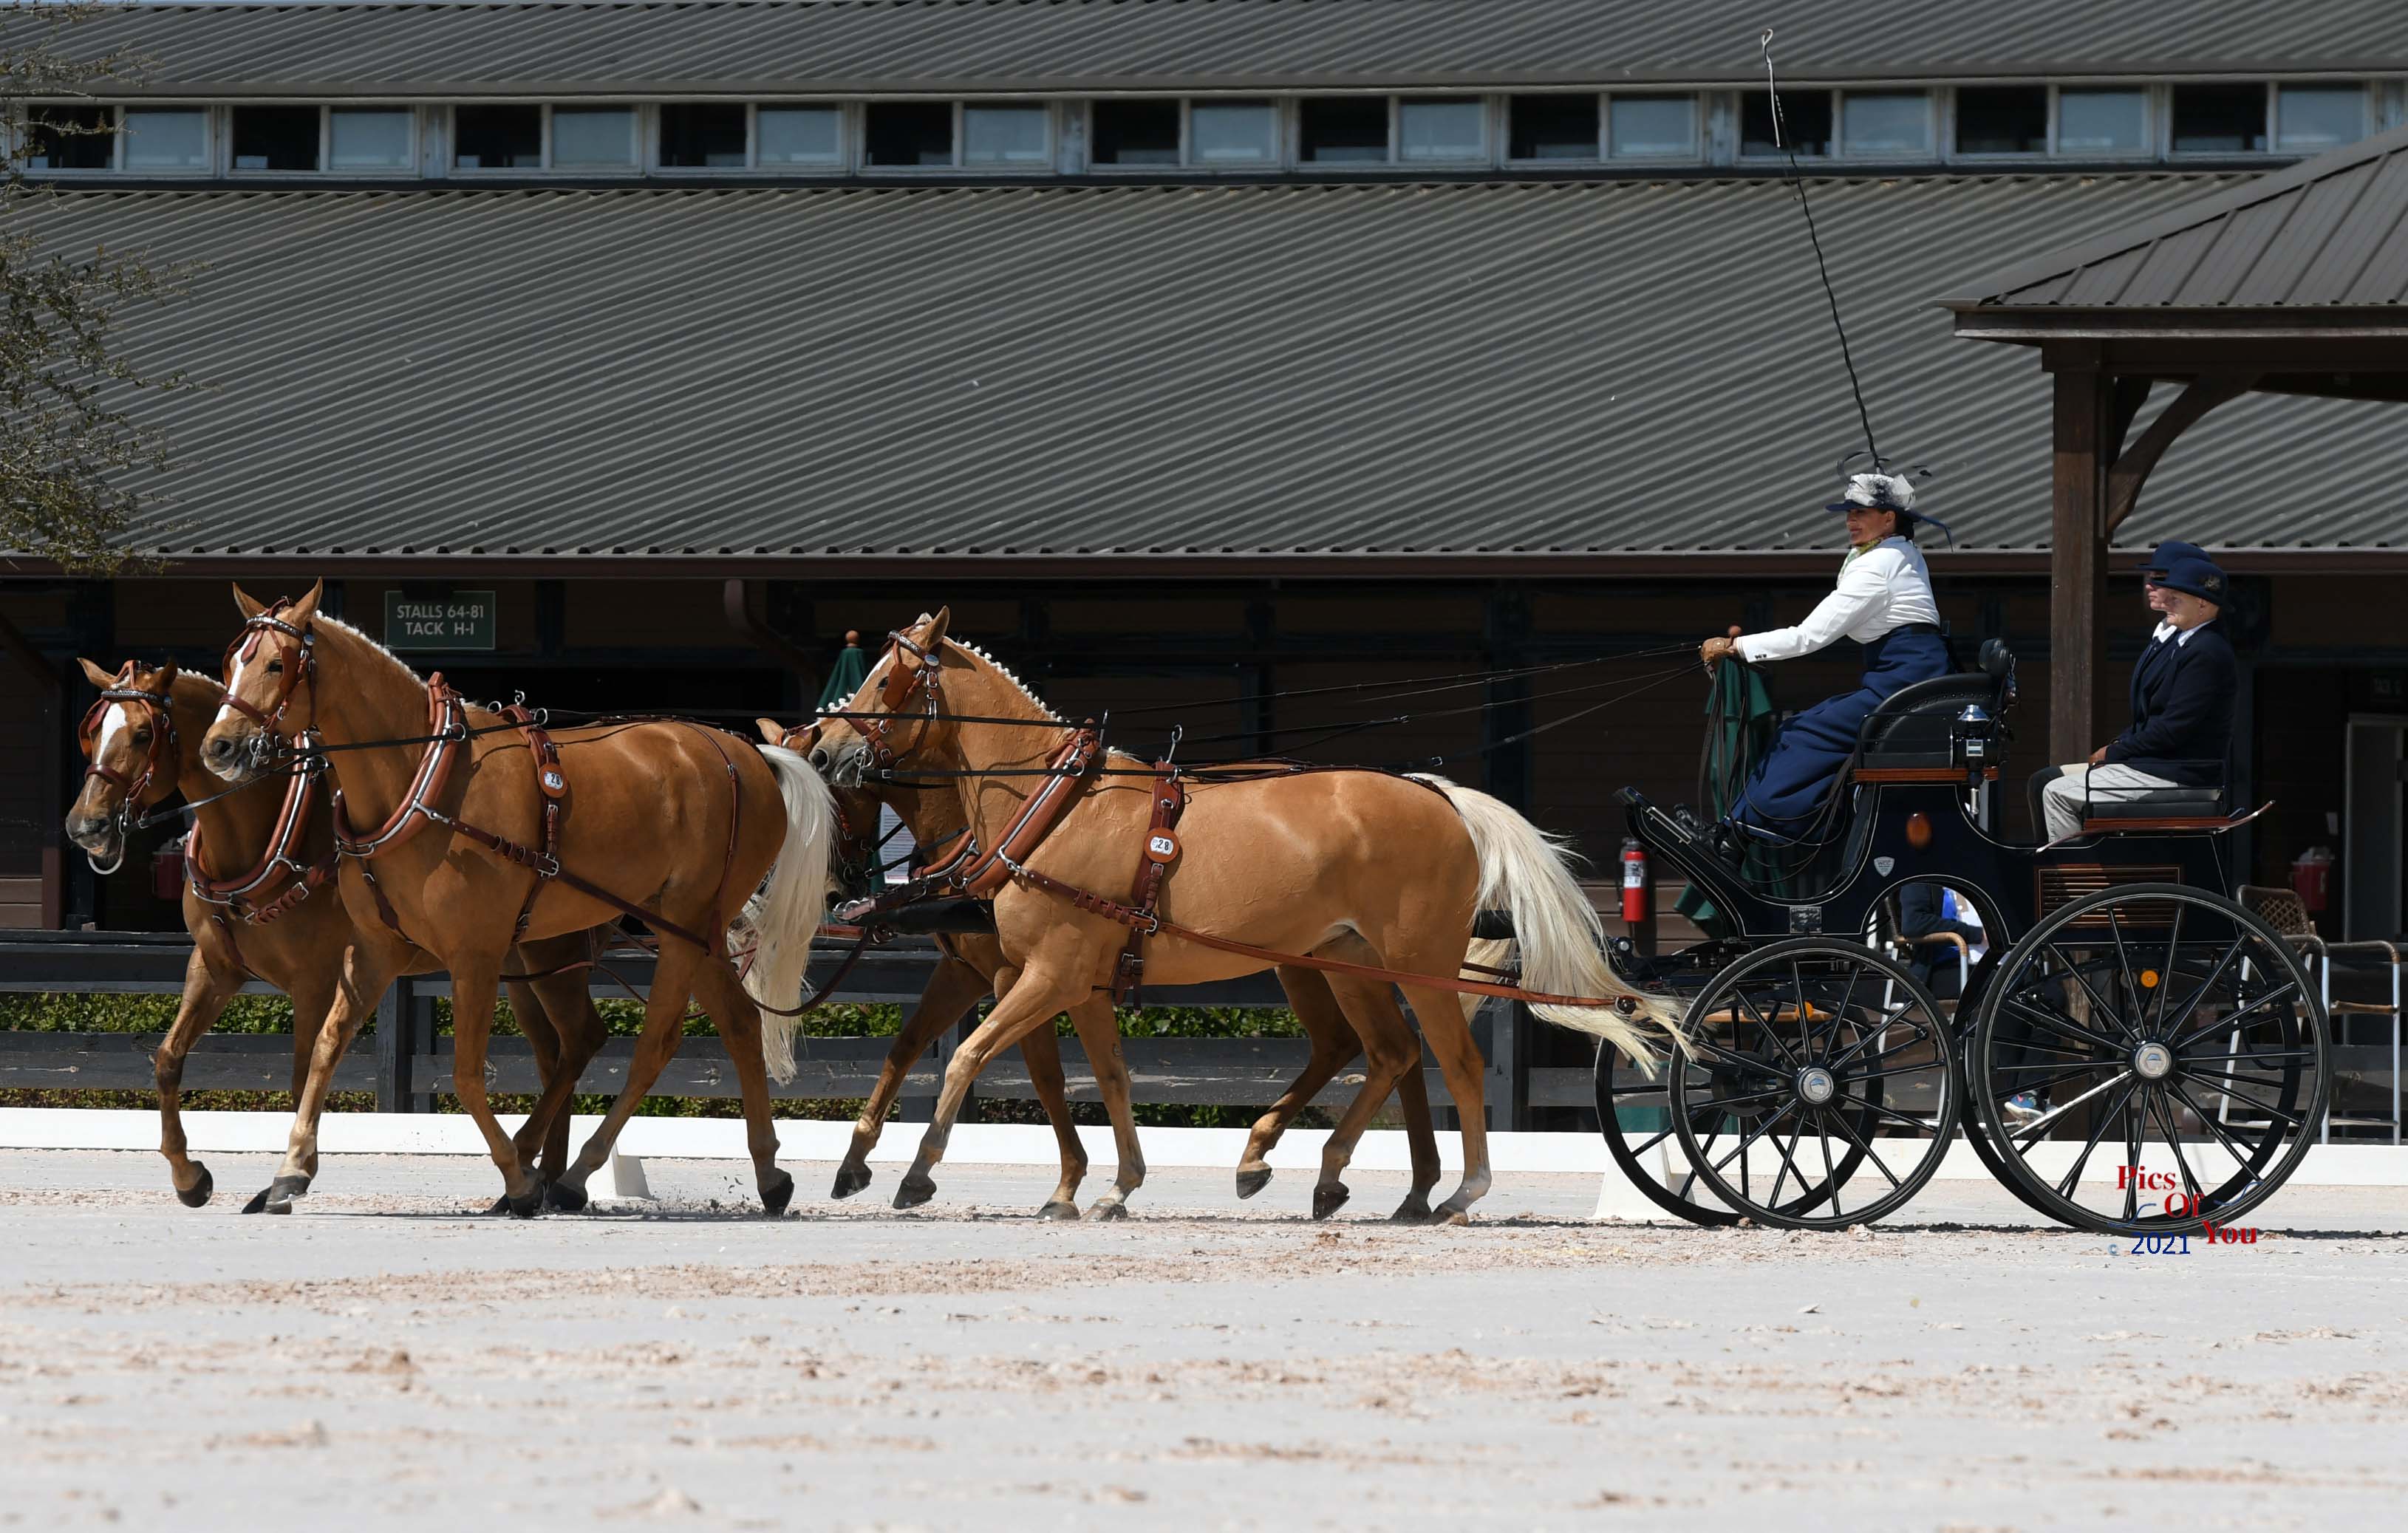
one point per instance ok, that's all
(2136, 1053)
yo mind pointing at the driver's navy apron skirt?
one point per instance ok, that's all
(1786, 790)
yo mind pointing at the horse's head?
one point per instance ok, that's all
(129, 739)
(854, 868)
(899, 715)
(269, 666)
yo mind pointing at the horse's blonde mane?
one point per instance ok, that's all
(1005, 671)
(396, 661)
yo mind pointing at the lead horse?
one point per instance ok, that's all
(268, 909)
(466, 831)
(1371, 871)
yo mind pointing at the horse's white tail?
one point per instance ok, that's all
(1528, 872)
(786, 912)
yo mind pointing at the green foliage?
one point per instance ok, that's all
(67, 440)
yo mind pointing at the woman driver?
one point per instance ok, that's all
(1883, 602)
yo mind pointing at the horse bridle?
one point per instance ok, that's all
(894, 696)
(299, 658)
(133, 790)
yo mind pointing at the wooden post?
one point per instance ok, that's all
(2078, 552)
(1507, 1087)
(397, 1026)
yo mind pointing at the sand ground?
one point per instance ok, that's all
(387, 1358)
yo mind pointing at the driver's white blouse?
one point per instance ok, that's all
(1882, 588)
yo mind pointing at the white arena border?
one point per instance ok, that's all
(987, 1144)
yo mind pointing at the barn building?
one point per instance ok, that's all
(1191, 350)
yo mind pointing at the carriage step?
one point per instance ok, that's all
(2363, 1008)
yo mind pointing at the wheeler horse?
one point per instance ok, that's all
(484, 829)
(1102, 869)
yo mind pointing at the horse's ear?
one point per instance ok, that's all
(245, 603)
(772, 731)
(167, 674)
(101, 679)
(301, 611)
(933, 634)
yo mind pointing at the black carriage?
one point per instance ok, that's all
(2135, 1051)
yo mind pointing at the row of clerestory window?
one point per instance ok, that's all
(1135, 134)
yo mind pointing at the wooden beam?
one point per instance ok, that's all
(2131, 467)
(51, 681)
(2077, 583)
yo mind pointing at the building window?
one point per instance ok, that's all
(2219, 119)
(276, 138)
(798, 135)
(2309, 119)
(70, 138)
(371, 139)
(1134, 133)
(166, 138)
(996, 136)
(910, 133)
(1343, 130)
(593, 138)
(1441, 128)
(1651, 126)
(1805, 124)
(2002, 120)
(2102, 122)
(497, 137)
(1230, 133)
(701, 135)
(1552, 127)
(1890, 123)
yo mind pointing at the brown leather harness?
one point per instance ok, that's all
(447, 733)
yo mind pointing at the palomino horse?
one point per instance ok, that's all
(1347, 865)
(933, 816)
(466, 831)
(266, 914)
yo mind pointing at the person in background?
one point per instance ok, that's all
(2181, 702)
(1928, 910)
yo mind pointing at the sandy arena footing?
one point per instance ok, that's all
(388, 1357)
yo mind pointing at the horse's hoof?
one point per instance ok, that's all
(1251, 1182)
(777, 1192)
(1413, 1210)
(499, 1207)
(1060, 1208)
(567, 1197)
(285, 1207)
(258, 1203)
(914, 1191)
(280, 1195)
(525, 1205)
(1444, 1215)
(198, 1193)
(1329, 1198)
(850, 1179)
(1106, 1209)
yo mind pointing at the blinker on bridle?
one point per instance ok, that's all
(299, 657)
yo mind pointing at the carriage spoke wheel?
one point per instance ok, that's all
(1829, 1086)
(2164, 1055)
(1635, 1111)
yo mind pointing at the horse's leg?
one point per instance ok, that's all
(207, 986)
(1334, 1046)
(360, 981)
(739, 1022)
(312, 997)
(953, 988)
(1099, 1034)
(1030, 1001)
(1043, 1051)
(558, 1014)
(1373, 1005)
(1458, 1057)
(664, 1023)
(543, 1041)
(476, 983)
(1390, 1053)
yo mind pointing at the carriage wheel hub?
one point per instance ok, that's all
(1816, 1085)
(2153, 1061)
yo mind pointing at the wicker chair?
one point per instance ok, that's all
(2283, 911)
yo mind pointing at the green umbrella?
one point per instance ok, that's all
(845, 677)
(1740, 722)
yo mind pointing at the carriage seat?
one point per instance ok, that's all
(1912, 726)
(2154, 804)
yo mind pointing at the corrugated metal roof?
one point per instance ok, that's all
(1434, 370)
(1097, 45)
(2325, 233)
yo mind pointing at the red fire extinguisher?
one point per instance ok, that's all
(1634, 880)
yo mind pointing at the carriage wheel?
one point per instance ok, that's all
(1635, 1113)
(1816, 1058)
(2162, 1032)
